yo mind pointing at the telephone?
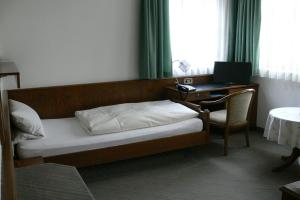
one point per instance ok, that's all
(185, 88)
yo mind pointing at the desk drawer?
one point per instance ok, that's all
(191, 96)
(233, 90)
(196, 96)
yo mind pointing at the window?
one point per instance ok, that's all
(280, 39)
(197, 34)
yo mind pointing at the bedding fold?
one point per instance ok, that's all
(131, 116)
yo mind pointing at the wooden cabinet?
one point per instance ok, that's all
(291, 191)
(207, 92)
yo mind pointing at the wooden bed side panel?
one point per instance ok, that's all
(63, 101)
(123, 152)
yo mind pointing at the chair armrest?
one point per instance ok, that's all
(222, 100)
(203, 114)
(190, 105)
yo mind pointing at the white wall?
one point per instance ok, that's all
(56, 42)
(273, 94)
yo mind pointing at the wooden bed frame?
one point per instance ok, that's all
(63, 101)
(8, 186)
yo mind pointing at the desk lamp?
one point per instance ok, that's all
(184, 66)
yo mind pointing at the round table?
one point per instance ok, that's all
(283, 126)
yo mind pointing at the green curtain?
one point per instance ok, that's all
(244, 30)
(155, 49)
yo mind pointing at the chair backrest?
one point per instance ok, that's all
(238, 107)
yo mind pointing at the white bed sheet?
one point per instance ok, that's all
(65, 136)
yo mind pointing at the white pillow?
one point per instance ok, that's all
(26, 119)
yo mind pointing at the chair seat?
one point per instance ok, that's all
(218, 116)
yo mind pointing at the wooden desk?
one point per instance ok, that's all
(213, 91)
(50, 181)
(10, 69)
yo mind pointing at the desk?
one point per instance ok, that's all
(283, 127)
(50, 181)
(210, 91)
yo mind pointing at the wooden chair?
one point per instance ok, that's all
(235, 115)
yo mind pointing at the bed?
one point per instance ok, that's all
(66, 136)
(68, 143)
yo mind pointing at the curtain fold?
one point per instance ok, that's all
(155, 48)
(244, 32)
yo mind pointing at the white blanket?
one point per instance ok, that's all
(130, 116)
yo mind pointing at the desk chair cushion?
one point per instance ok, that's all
(218, 117)
(239, 107)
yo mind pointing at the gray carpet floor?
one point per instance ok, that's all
(197, 173)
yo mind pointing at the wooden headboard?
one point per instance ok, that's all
(63, 101)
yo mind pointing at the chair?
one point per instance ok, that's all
(235, 115)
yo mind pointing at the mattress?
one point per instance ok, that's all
(65, 136)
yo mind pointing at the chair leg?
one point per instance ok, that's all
(226, 134)
(247, 136)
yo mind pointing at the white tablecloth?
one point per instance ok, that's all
(283, 126)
